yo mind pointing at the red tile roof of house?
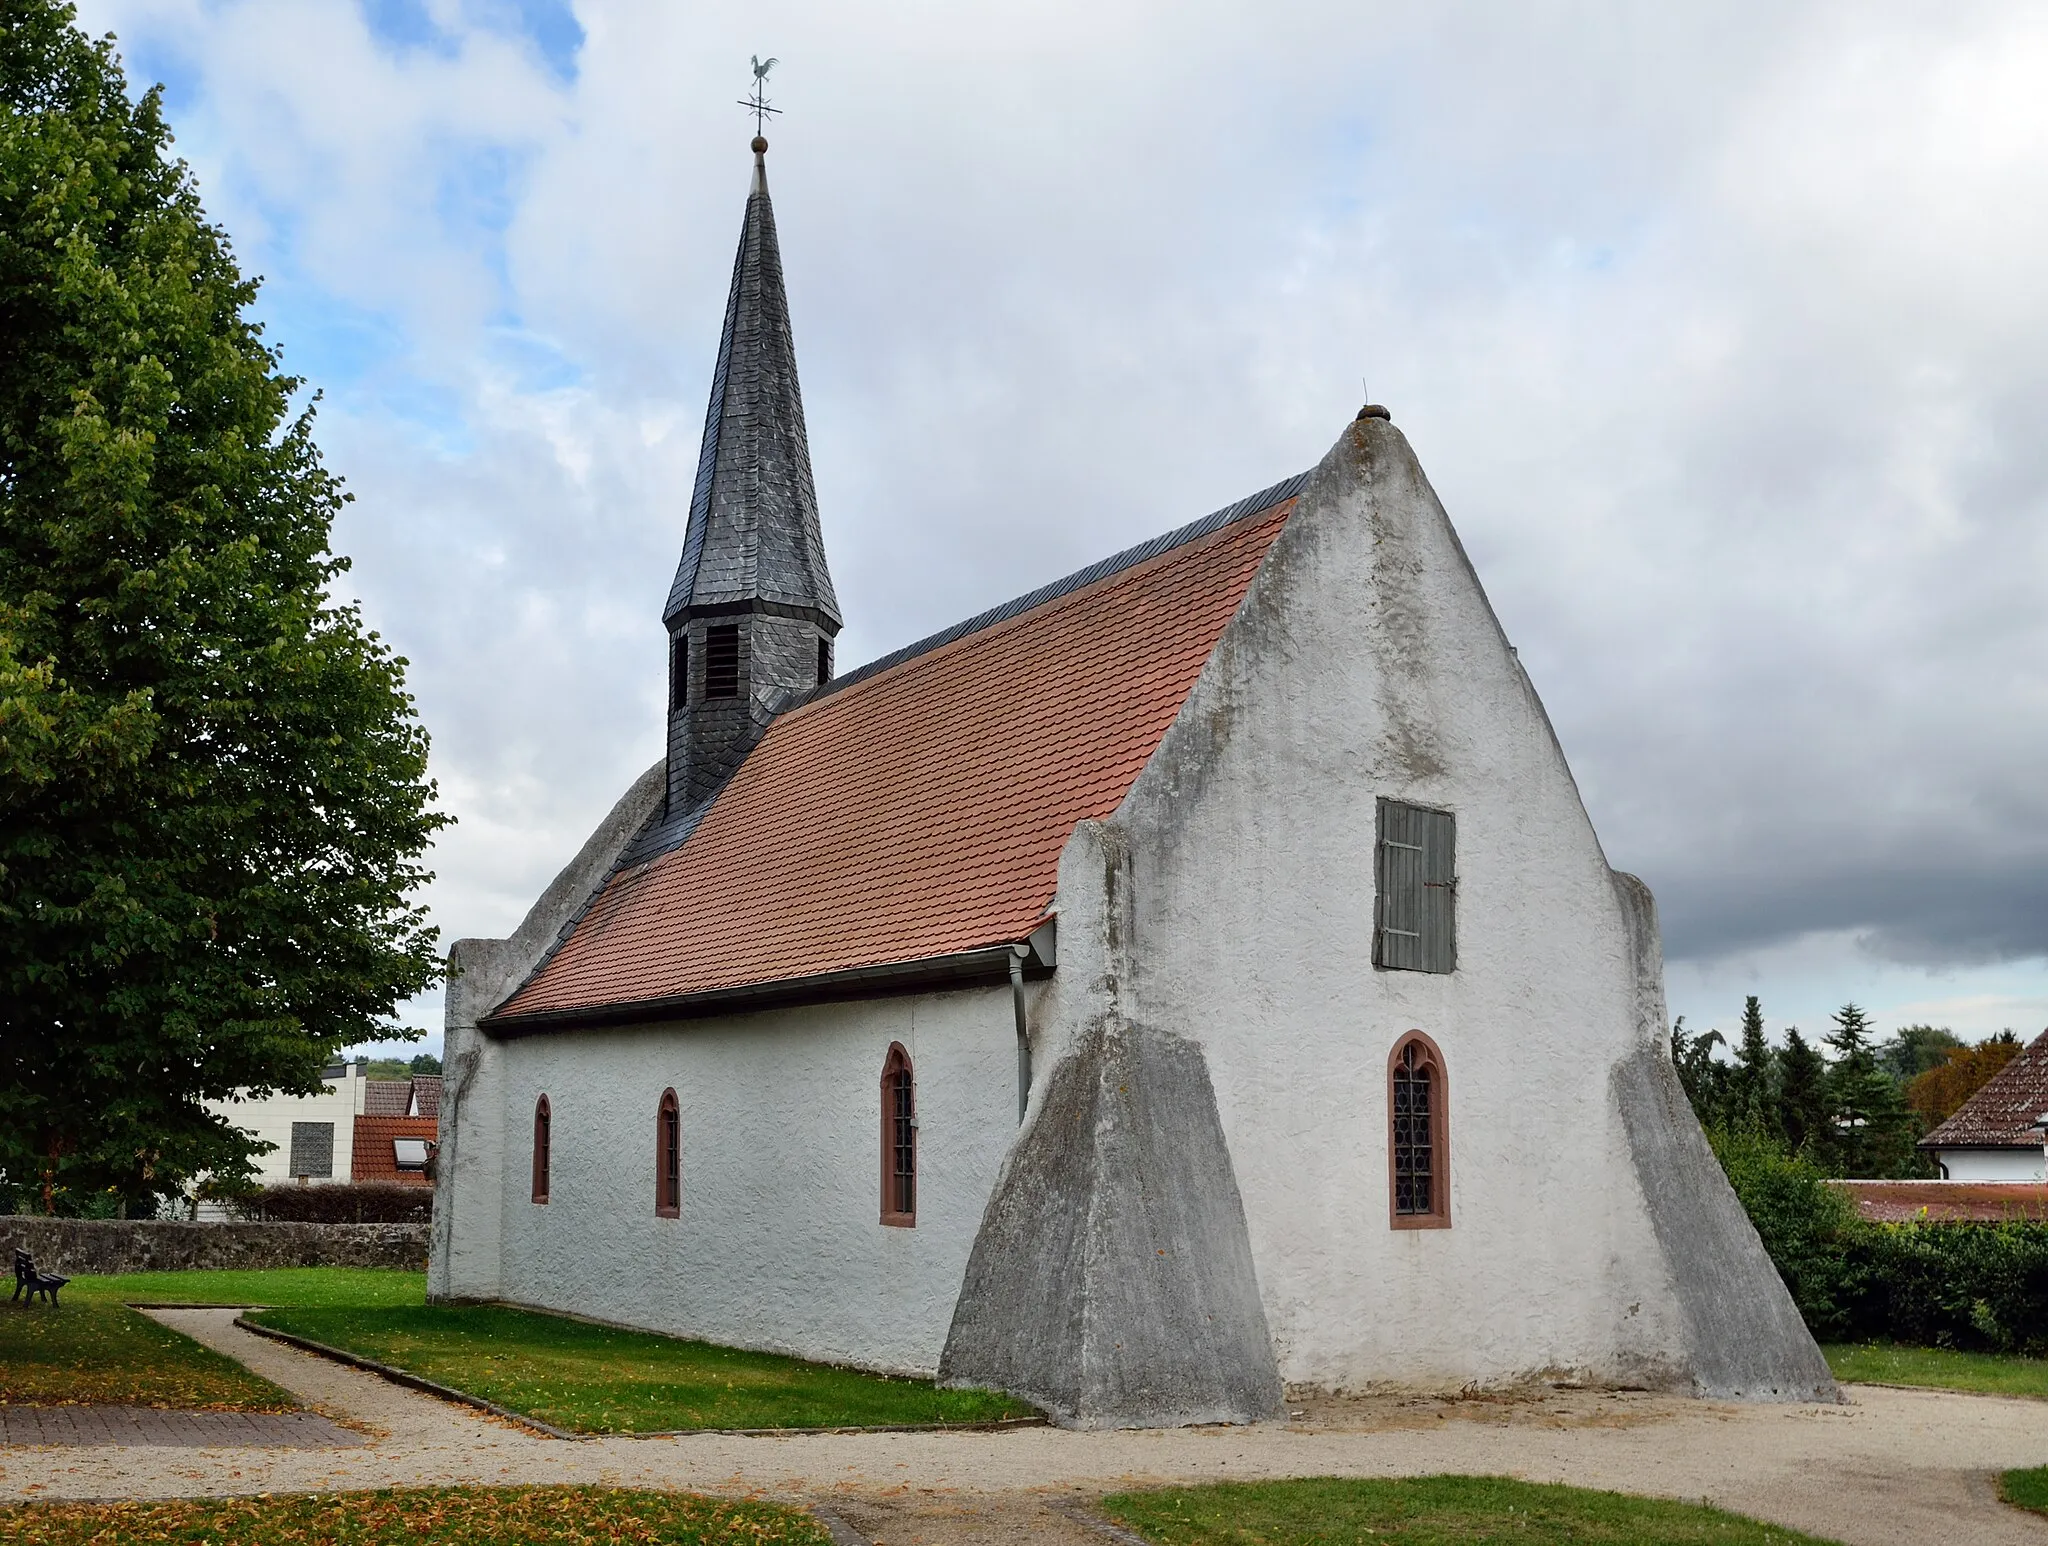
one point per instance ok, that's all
(2002, 1114)
(387, 1097)
(426, 1089)
(374, 1159)
(918, 812)
(1981, 1202)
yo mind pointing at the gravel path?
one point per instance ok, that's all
(1891, 1467)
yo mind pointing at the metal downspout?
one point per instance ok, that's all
(1023, 1031)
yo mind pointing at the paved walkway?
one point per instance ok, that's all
(1891, 1468)
(144, 1425)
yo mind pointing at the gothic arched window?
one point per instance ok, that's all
(542, 1148)
(899, 1140)
(1418, 1135)
(668, 1157)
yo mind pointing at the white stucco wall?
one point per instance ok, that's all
(271, 1119)
(1367, 662)
(1993, 1164)
(780, 1244)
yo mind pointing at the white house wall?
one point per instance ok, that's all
(1993, 1164)
(779, 1244)
(270, 1120)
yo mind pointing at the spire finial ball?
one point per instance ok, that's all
(760, 145)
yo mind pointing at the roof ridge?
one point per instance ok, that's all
(1030, 601)
(665, 831)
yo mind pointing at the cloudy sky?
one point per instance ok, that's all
(1720, 328)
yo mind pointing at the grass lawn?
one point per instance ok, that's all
(1430, 1511)
(474, 1516)
(2026, 1489)
(1891, 1363)
(90, 1353)
(596, 1379)
(355, 1286)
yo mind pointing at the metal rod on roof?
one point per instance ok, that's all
(1023, 1030)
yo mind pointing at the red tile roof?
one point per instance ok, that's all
(1983, 1202)
(920, 811)
(375, 1160)
(426, 1089)
(387, 1097)
(2002, 1114)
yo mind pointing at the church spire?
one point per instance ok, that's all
(751, 615)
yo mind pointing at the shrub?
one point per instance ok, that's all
(354, 1202)
(1978, 1287)
(1810, 1230)
(1975, 1287)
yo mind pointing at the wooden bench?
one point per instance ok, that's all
(27, 1277)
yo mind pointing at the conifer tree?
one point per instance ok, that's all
(1752, 1082)
(213, 790)
(1872, 1132)
(1802, 1097)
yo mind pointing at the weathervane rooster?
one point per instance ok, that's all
(757, 104)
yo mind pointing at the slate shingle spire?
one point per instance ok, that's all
(751, 616)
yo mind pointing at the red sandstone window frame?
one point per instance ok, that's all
(1428, 1059)
(543, 1147)
(899, 1139)
(668, 1157)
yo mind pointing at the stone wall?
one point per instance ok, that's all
(76, 1247)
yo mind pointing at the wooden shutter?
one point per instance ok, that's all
(1415, 875)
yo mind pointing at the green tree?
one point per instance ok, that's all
(1872, 1131)
(1802, 1096)
(1913, 1049)
(213, 790)
(1753, 1081)
(1704, 1078)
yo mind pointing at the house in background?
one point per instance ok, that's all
(1997, 1135)
(355, 1129)
(395, 1130)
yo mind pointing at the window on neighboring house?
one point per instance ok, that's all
(899, 1140)
(824, 661)
(409, 1153)
(722, 661)
(312, 1152)
(543, 1148)
(668, 1157)
(1418, 1136)
(678, 670)
(1415, 889)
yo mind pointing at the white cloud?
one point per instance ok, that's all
(1717, 327)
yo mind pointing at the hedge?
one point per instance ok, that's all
(1977, 1287)
(348, 1202)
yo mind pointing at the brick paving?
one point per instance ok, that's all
(142, 1425)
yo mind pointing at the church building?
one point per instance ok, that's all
(1195, 978)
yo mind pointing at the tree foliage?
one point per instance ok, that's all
(1846, 1115)
(1912, 1050)
(1939, 1093)
(1873, 1133)
(213, 791)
